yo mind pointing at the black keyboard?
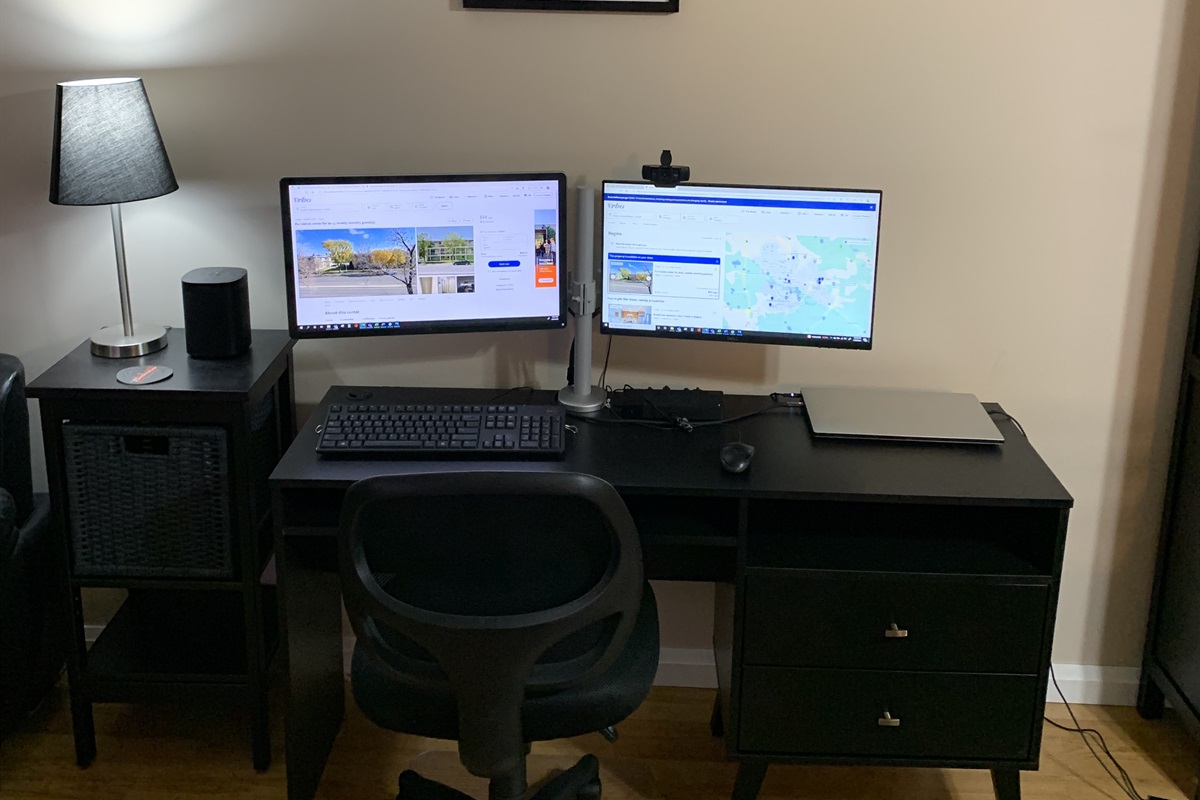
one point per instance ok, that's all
(439, 431)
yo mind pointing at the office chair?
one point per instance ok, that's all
(496, 609)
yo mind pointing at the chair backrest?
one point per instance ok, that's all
(16, 474)
(495, 583)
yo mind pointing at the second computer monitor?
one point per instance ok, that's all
(769, 264)
(368, 256)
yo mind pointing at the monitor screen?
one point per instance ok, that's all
(424, 254)
(766, 264)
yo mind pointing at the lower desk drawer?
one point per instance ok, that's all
(810, 618)
(886, 714)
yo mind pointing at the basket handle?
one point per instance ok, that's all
(145, 445)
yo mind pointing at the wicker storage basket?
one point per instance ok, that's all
(149, 501)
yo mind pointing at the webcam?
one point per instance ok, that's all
(663, 174)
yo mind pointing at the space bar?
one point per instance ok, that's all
(396, 445)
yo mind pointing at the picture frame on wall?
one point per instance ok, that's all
(659, 6)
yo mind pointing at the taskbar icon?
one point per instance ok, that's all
(725, 332)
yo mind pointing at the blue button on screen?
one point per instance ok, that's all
(504, 263)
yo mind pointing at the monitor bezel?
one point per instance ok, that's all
(790, 339)
(428, 327)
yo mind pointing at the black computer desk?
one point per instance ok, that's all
(877, 603)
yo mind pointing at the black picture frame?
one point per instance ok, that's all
(658, 6)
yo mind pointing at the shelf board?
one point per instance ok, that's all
(308, 531)
(194, 637)
(888, 554)
(689, 540)
(190, 584)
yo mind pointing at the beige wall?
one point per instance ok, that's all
(1036, 158)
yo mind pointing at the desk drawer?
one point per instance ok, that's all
(837, 619)
(846, 712)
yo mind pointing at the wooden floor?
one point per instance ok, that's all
(665, 751)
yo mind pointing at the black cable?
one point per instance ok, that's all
(604, 372)
(648, 400)
(1123, 781)
(1011, 419)
(673, 423)
(529, 389)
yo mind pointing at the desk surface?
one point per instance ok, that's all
(788, 461)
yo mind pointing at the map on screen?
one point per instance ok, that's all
(752, 263)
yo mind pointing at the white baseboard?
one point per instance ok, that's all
(1087, 685)
(695, 668)
(678, 666)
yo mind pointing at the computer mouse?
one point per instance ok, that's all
(736, 456)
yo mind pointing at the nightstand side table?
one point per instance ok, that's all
(161, 489)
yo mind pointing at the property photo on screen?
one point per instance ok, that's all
(356, 262)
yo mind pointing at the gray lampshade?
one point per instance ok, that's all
(107, 148)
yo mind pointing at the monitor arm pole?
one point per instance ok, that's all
(581, 395)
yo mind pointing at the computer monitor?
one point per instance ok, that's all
(372, 256)
(768, 264)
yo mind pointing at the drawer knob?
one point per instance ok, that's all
(895, 632)
(888, 721)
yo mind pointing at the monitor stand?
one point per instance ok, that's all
(581, 396)
(668, 405)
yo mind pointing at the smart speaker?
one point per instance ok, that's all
(216, 312)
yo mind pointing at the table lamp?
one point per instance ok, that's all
(107, 150)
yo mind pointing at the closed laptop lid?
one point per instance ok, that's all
(901, 414)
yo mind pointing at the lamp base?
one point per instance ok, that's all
(111, 342)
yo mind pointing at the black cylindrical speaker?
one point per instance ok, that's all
(216, 312)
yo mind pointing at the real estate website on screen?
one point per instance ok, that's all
(766, 264)
(393, 255)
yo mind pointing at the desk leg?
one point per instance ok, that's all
(82, 724)
(310, 622)
(256, 656)
(749, 780)
(71, 608)
(1007, 783)
(716, 725)
(1150, 700)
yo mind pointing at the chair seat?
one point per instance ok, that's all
(612, 696)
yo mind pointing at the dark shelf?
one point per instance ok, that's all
(914, 538)
(157, 583)
(929, 555)
(164, 646)
(690, 540)
(310, 531)
(178, 636)
(687, 520)
(196, 619)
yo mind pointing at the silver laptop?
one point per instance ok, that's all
(901, 414)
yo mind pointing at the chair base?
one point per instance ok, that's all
(580, 782)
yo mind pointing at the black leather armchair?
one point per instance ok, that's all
(33, 629)
(496, 609)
